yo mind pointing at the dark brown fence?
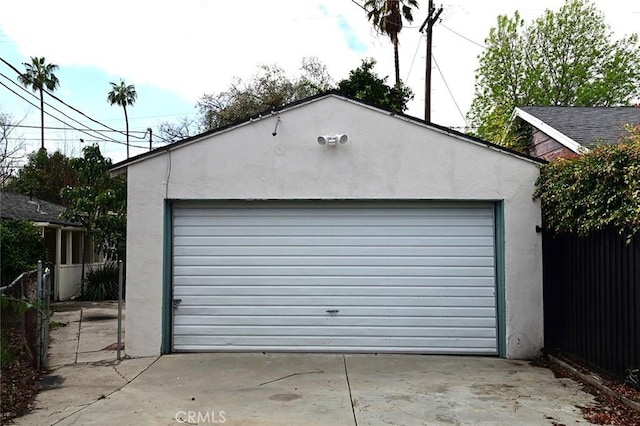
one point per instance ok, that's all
(592, 298)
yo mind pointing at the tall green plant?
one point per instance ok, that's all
(388, 17)
(97, 201)
(39, 75)
(566, 58)
(124, 95)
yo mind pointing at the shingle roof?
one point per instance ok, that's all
(587, 125)
(22, 207)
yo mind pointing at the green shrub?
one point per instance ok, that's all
(7, 351)
(594, 191)
(21, 247)
(101, 283)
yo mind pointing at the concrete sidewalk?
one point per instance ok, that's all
(82, 361)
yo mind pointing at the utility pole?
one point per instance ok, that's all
(431, 19)
(150, 131)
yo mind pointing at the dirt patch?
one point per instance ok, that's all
(19, 382)
(608, 410)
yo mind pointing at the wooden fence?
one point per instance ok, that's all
(592, 298)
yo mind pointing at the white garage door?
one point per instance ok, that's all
(334, 276)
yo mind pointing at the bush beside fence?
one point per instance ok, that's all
(25, 316)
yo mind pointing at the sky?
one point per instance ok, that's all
(175, 51)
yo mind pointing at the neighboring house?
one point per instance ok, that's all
(560, 131)
(408, 238)
(63, 239)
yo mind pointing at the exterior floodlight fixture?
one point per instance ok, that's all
(332, 140)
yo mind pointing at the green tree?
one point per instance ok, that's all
(21, 246)
(367, 86)
(387, 18)
(565, 58)
(268, 89)
(123, 95)
(98, 202)
(39, 76)
(43, 176)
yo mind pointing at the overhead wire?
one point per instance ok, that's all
(60, 120)
(65, 128)
(63, 140)
(111, 129)
(415, 54)
(464, 37)
(54, 108)
(448, 89)
(64, 103)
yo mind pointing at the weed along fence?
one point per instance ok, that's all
(592, 298)
(25, 313)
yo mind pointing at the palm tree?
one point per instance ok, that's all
(387, 18)
(123, 95)
(39, 76)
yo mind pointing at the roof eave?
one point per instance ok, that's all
(121, 167)
(551, 131)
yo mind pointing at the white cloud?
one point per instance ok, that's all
(196, 46)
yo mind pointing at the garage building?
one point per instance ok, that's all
(331, 225)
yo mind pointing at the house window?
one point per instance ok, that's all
(50, 244)
(76, 247)
(89, 256)
(63, 248)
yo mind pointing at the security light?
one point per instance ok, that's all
(332, 140)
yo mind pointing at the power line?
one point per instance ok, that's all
(448, 89)
(51, 106)
(464, 37)
(81, 140)
(65, 128)
(414, 57)
(71, 107)
(110, 129)
(58, 119)
(359, 5)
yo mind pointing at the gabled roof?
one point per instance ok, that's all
(22, 207)
(120, 167)
(580, 127)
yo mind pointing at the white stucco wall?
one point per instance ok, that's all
(387, 157)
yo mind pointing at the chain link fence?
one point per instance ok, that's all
(25, 315)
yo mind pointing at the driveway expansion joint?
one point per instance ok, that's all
(78, 342)
(346, 374)
(119, 374)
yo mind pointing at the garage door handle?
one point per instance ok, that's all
(176, 302)
(332, 311)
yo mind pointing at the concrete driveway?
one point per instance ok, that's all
(310, 389)
(87, 386)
